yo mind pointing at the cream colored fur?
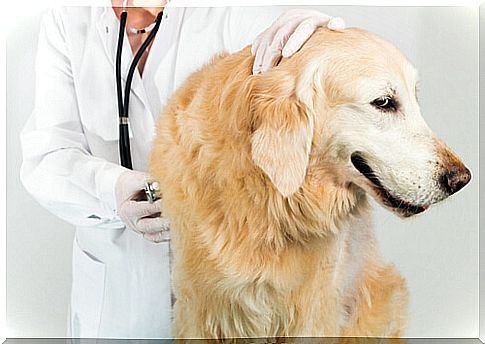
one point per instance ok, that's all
(271, 229)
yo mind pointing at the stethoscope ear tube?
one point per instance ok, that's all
(124, 137)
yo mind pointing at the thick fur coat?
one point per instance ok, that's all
(271, 230)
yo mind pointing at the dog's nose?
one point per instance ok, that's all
(455, 179)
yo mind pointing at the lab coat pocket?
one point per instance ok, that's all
(87, 294)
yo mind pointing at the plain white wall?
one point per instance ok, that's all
(39, 245)
(436, 252)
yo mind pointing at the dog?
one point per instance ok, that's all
(265, 179)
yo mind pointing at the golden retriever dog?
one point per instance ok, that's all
(265, 179)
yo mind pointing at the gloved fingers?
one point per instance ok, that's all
(269, 43)
(158, 236)
(269, 54)
(262, 47)
(336, 24)
(266, 36)
(152, 224)
(258, 60)
(303, 31)
(133, 180)
(306, 28)
(257, 43)
(284, 33)
(158, 204)
(130, 224)
(321, 19)
(129, 186)
(136, 210)
(287, 35)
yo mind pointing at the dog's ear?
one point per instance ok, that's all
(282, 130)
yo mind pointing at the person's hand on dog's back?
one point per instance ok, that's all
(287, 35)
(135, 211)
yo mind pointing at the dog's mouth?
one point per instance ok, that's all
(404, 208)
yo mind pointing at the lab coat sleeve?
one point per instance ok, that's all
(58, 169)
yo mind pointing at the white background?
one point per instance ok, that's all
(436, 252)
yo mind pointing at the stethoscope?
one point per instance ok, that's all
(124, 137)
(151, 188)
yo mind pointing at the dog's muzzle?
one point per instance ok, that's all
(404, 208)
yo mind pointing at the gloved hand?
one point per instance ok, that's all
(135, 211)
(287, 35)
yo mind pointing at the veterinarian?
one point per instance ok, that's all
(120, 264)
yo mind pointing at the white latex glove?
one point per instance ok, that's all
(135, 211)
(287, 35)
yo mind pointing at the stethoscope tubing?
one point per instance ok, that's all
(124, 136)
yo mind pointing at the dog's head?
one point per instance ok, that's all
(346, 105)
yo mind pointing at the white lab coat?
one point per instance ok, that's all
(120, 281)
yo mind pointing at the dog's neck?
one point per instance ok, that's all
(265, 220)
(318, 210)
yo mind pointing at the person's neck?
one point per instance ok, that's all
(138, 17)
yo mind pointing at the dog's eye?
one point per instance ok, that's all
(385, 104)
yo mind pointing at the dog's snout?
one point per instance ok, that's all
(455, 179)
(454, 175)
